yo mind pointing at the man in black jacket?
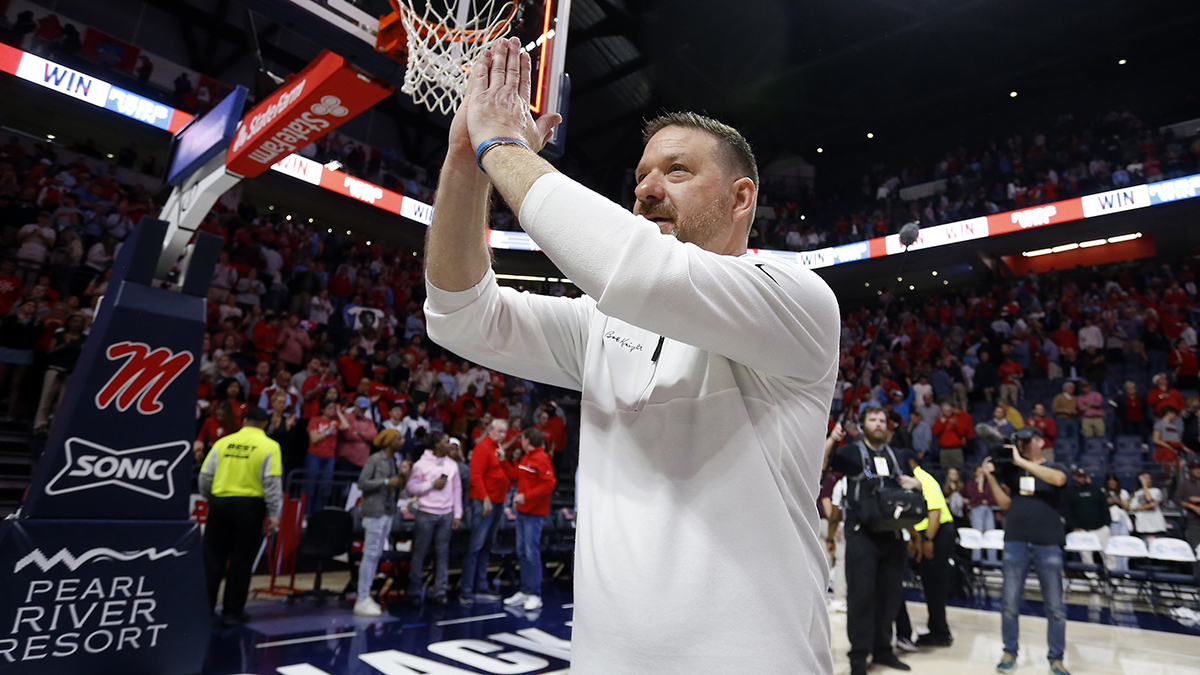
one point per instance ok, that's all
(1085, 509)
(874, 560)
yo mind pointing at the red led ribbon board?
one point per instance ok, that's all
(314, 102)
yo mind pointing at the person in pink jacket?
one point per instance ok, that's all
(436, 485)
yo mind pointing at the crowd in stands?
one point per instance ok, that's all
(298, 317)
(1078, 156)
(1101, 361)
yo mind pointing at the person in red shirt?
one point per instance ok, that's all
(1182, 360)
(490, 478)
(266, 335)
(1010, 376)
(261, 379)
(1163, 394)
(1047, 426)
(221, 423)
(314, 388)
(1131, 413)
(535, 483)
(322, 448)
(11, 287)
(950, 437)
(351, 368)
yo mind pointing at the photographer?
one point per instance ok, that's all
(875, 550)
(1030, 489)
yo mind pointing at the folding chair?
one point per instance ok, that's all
(1079, 543)
(971, 540)
(1177, 555)
(1126, 546)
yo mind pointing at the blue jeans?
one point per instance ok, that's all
(983, 519)
(1047, 562)
(529, 552)
(483, 536)
(318, 481)
(375, 534)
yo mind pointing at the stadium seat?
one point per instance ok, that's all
(1095, 447)
(1079, 543)
(1173, 568)
(1128, 445)
(1134, 549)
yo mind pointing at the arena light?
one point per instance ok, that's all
(801, 216)
(333, 165)
(912, 288)
(1040, 251)
(1122, 62)
(1094, 242)
(1091, 243)
(310, 220)
(820, 150)
(1012, 94)
(1064, 247)
(870, 135)
(935, 273)
(51, 136)
(1124, 237)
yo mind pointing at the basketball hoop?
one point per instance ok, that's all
(439, 43)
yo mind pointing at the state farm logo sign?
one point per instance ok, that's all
(143, 377)
(256, 124)
(147, 470)
(299, 132)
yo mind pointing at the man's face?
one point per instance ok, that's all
(683, 186)
(543, 419)
(1069, 388)
(875, 428)
(498, 431)
(947, 410)
(1039, 410)
(283, 379)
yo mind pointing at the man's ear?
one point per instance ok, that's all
(745, 198)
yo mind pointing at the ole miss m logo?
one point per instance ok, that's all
(142, 378)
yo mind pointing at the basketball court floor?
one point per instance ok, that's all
(308, 639)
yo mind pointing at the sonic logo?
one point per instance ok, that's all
(147, 470)
(142, 378)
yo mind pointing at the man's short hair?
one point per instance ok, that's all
(534, 436)
(867, 411)
(1169, 409)
(737, 150)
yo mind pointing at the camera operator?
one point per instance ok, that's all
(874, 558)
(1030, 489)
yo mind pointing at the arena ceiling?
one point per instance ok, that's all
(800, 75)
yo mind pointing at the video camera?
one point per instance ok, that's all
(1013, 441)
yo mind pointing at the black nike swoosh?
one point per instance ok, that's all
(764, 271)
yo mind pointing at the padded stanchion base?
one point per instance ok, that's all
(102, 597)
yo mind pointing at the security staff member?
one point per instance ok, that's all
(932, 544)
(241, 479)
(874, 560)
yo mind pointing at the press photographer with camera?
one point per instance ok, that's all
(882, 499)
(1030, 489)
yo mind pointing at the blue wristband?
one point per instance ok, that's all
(493, 142)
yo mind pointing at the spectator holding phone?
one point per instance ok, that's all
(438, 488)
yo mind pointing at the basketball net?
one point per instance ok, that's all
(443, 42)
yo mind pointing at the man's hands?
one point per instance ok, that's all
(273, 524)
(497, 100)
(519, 499)
(439, 483)
(455, 523)
(394, 481)
(910, 483)
(988, 467)
(487, 507)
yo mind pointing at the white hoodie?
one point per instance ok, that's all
(697, 549)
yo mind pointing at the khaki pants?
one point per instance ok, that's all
(1010, 393)
(951, 458)
(1092, 426)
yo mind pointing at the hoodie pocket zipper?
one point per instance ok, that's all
(641, 400)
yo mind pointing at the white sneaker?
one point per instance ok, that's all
(838, 606)
(367, 607)
(533, 602)
(518, 599)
